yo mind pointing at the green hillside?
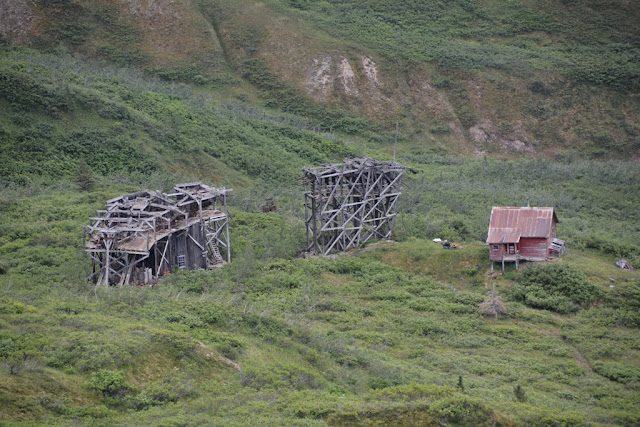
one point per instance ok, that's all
(522, 78)
(396, 333)
(60, 109)
(589, 41)
(525, 78)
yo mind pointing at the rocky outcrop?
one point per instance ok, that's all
(18, 20)
(319, 82)
(486, 137)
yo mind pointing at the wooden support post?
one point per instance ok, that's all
(315, 222)
(107, 266)
(226, 225)
(155, 249)
(306, 212)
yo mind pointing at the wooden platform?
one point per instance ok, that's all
(143, 242)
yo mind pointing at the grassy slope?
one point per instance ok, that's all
(381, 335)
(519, 36)
(60, 110)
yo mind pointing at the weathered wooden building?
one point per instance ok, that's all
(350, 203)
(142, 236)
(523, 234)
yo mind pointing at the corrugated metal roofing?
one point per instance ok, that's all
(509, 224)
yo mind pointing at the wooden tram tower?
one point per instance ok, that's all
(142, 236)
(350, 203)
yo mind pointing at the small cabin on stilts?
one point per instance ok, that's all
(523, 234)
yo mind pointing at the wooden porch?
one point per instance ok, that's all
(516, 258)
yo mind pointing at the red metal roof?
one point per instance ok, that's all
(509, 224)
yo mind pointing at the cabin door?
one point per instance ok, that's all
(512, 248)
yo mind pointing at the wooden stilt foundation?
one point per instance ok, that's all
(131, 240)
(350, 203)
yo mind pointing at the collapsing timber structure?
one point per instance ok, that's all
(350, 203)
(142, 236)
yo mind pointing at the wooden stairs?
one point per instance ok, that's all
(216, 259)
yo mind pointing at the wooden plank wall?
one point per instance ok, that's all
(533, 247)
(496, 255)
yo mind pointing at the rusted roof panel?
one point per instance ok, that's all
(509, 224)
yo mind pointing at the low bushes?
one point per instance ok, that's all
(619, 372)
(556, 287)
(281, 376)
(109, 383)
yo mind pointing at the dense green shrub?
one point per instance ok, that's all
(555, 287)
(463, 410)
(21, 360)
(109, 383)
(227, 344)
(9, 306)
(278, 377)
(544, 418)
(519, 393)
(84, 176)
(188, 319)
(618, 372)
(174, 387)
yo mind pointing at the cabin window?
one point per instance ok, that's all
(182, 261)
(496, 248)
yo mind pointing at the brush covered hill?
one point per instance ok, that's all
(398, 333)
(394, 334)
(521, 78)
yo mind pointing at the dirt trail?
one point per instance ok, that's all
(582, 360)
(210, 354)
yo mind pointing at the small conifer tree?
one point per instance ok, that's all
(519, 393)
(84, 176)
